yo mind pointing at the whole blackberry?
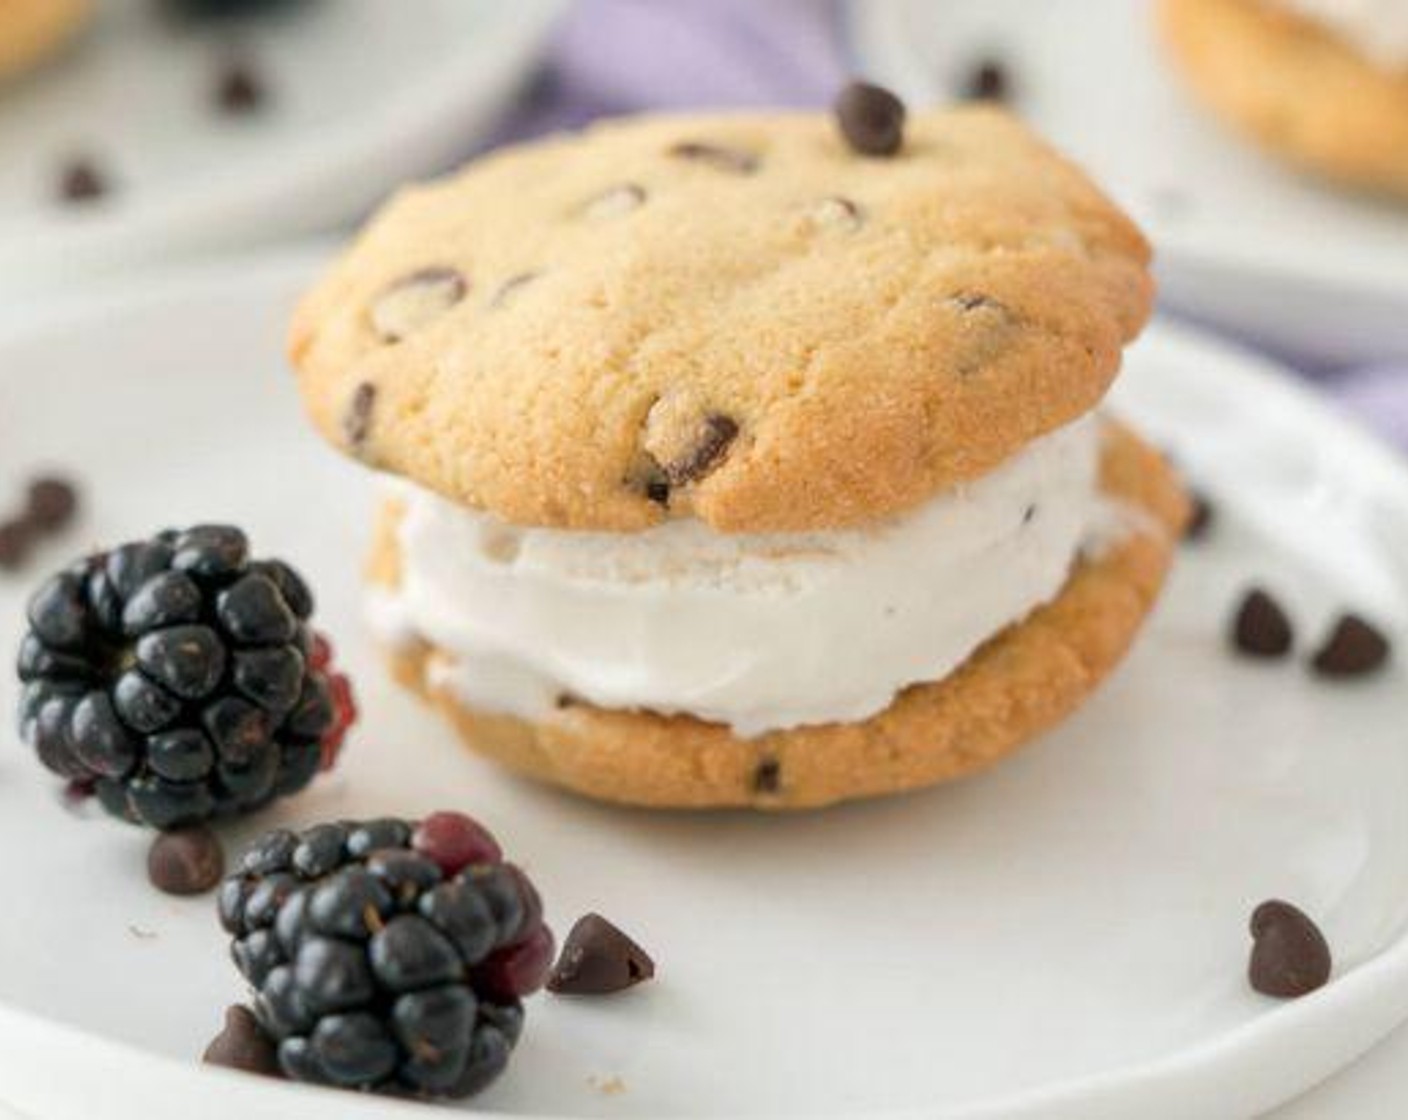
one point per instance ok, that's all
(386, 955)
(178, 679)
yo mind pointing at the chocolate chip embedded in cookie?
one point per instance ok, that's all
(686, 439)
(736, 161)
(357, 420)
(416, 300)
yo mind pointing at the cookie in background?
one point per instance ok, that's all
(1322, 84)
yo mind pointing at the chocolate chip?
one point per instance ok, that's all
(767, 778)
(1355, 648)
(243, 1045)
(1202, 518)
(16, 539)
(186, 861)
(416, 300)
(1290, 957)
(510, 287)
(1029, 514)
(80, 181)
(871, 119)
(657, 490)
(969, 302)
(836, 213)
(239, 88)
(1261, 628)
(715, 436)
(598, 959)
(615, 202)
(716, 156)
(357, 422)
(51, 503)
(988, 81)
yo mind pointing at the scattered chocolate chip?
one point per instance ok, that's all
(243, 1045)
(566, 700)
(1261, 628)
(51, 503)
(836, 213)
(598, 959)
(720, 158)
(510, 287)
(1290, 957)
(1355, 648)
(80, 181)
(1029, 514)
(416, 300)
(186, 861)
(871, 119)
(357, 423)
(1202, 518)
(767, 778)
(988, 81)
(615, 202)
(16, 538)
(239, 89)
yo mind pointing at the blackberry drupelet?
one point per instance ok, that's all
(178, 679)
(385, 955)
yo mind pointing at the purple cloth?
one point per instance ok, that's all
(619, 56)
(610, 57)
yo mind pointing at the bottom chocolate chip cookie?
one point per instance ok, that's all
(1018, 685)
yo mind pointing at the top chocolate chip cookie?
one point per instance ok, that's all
(767, 322)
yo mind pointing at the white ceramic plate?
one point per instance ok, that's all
(1064, 937)
(1243, 241)
(364, 94)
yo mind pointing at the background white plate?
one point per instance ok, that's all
(363, 95)
(1064, 937)
(1243, 240)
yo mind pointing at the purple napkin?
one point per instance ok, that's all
(618, 56)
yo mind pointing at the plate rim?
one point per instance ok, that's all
(1347, 1017)
(424, 124)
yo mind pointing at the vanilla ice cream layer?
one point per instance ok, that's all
(761, 632)
(1376, 28)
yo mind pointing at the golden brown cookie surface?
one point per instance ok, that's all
(738, 318)
(30, 30)
(1295, 87)
(1019, 684)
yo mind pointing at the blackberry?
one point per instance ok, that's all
(385, 955)
(178, 680)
